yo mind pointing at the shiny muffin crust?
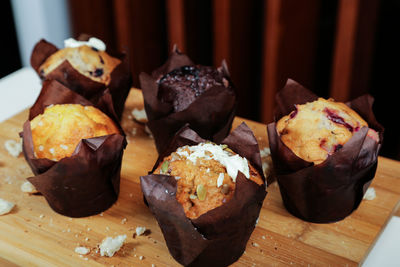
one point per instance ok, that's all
(203, 182)
(94, 64)
(317, 129)
(57, 131)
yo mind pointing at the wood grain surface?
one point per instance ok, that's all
(33, 235)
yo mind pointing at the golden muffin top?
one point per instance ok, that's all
(206, 176)
(94, 64)
(317, 129)
(57, 131)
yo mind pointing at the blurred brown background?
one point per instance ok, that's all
(336, 48)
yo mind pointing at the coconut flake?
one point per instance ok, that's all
(5, 206)
(92, 42)
(29, 188)
(370, 194)
(110, 245)
(220, 180)
(140, 230)
(139, 115)
(82, 250)
(13, 147)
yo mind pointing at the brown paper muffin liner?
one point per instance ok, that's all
(119, 86)
(87, 182)
(332, 190)
(210, 115)
(218, 237)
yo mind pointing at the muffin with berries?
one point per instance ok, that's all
(324, 152)
(181, 92)
(85, 67)
(317, 129)
(88, 58)
(207, 197)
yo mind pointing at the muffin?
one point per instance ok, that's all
(317, 129)
(207, 174)
(181, 92)
(182, 86)
(74, 149)
(324, 153)
(57, 131)
(207, 197)
(90, 60)
(85, 67)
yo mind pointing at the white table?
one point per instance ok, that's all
(20, 89)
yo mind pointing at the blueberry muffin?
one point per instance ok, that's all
(317, 129)
(88, 58)
(206, 176)
(57, 132)
(183, 85)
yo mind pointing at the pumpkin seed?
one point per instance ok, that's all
(164, 167)
(201, 192)
(225, 189)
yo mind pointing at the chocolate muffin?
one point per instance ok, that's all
(57, 131)
(317, 129)
(181, 92)
(206, 176)
(183, 85)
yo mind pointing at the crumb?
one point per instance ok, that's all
(82, 250)
(141, 258)
(255, 244)
(265, 152)
(263, 237)
(147, 130)
(89, 229)
(139, 115)
(14, 148)
(110, 245)
(5, 206)
(101, 214)
(123, 221)
(153, 265)
(41, 216)
(87, 239)
(370, 194)
(140, 230)
(27, 187)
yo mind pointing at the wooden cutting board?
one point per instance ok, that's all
(32, 234)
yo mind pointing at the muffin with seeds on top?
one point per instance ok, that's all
(206, 176)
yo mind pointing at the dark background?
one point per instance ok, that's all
(263, 43)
